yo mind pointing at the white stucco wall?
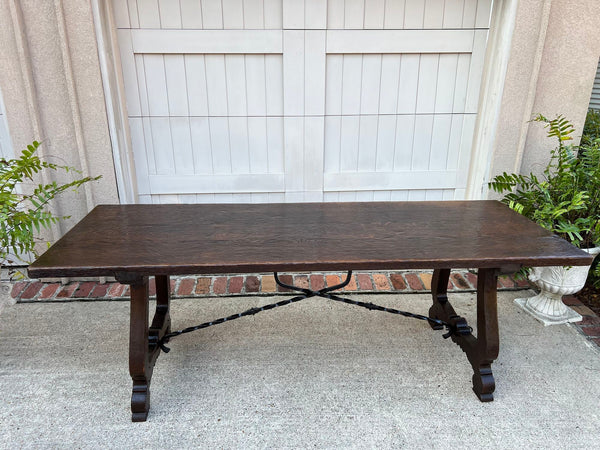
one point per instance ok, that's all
(554, 57)
(50, 79)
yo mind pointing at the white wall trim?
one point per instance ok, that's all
(216, 184)
(490, 100)
(399, 41)
(384, 181)
(114, 96)
(207, 41)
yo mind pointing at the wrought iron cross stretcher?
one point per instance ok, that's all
(134, 242)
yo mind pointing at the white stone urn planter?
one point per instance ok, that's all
(554, 282)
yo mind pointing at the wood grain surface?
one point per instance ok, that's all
(246, 238)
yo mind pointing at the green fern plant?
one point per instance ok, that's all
(566, 198)
(22, 216)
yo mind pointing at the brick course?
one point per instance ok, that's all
(252, 284)
(264, 284)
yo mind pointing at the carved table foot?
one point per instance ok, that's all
(140, 401)
(482, 350)
(484, 383)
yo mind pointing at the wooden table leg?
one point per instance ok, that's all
(488, 339)
(139, 367)
(143, 348)
(161, 323)
(483, 349)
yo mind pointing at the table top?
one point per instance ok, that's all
(251, 238)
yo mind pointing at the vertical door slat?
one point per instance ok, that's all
(170, 14)
(374, 14)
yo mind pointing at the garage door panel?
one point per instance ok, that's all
(349, 140)
(121, 14)
(212, 14)
(368, 140)
(160, 131)
(427, 83)
(408, 84)
(275, 144)
(403, 84)
(453, 14)
(393, 15)
(433, 14)
(335, 14)
(199, 14)
(196, 85)
(446, 83)
(476, 70)
(469, 13)
(403, 147)
(414, 14)
(170, 14)
(293, 73)
(219, 141)
(235, 70)
(255, 86)
(375, 14)
(257, 145)
(370, 79)
(233, 14)
(399, 41)
(201, 145)
(390, 73)
(383, 151)
(176, 85)
(148, 146)
(421, 146)
(454, 141)
(314, 73)
(147, 12)
(460, 87)
(274, 82)
(156, 85)
(181, 139)
(238, 141)
(257, 101)
(440, 138)
(191, 14)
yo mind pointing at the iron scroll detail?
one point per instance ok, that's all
(457, 325)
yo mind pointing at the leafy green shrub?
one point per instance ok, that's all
(22, 216)
(591, 128)
(566, 198)
(591, 137)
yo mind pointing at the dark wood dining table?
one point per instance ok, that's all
(135, 242)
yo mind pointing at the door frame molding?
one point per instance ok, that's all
(114, 98)
(502, 24)
(497, 55)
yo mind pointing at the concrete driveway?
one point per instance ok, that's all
(315, 374)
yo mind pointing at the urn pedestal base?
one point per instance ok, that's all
(566, 316)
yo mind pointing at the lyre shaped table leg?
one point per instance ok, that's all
(139, 361)
(143, 339)
(483, 349)
(439, 292)
(488, 340)
(161, 323)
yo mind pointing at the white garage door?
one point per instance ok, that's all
(291, 100)
(6, 150)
